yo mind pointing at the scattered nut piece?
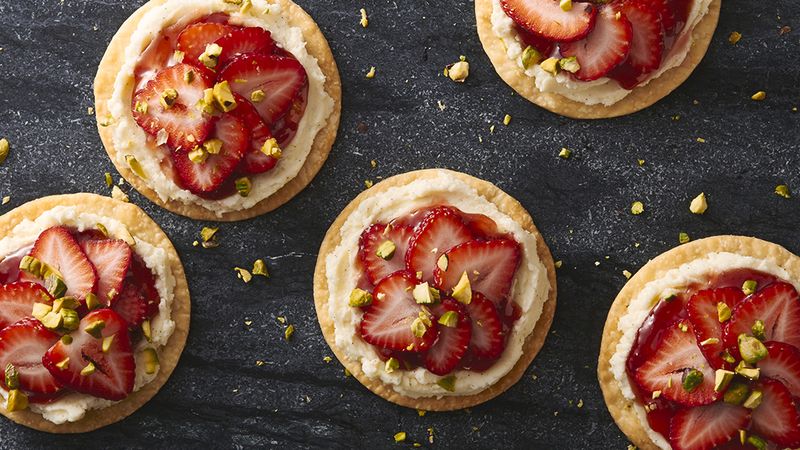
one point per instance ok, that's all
(457, 72)
(627, 274)
(637, 208)
(701, 140)
(566, 5)
(759, 96)
(6, 199)
(4, 148)
(734, 37)
(783, 191)
(683, 237)
(243, 274)
(287, 334)
(565, 153)
(364, 20)
(507, 119)
(117, 194)
(260, 268)
(371, 73)
(368, 183)
(570, 64)
(699, 205)
(550, 65)
(400, 437)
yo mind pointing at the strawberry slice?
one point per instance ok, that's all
(254, 161)
(546, 18)
(777, 305)
(372, 238)
(56, 247)
(487, 339)
(669, 17)
(387, 321)
(705, 427)
(242, 41)
(647, 43)
(139, 298)
(777, 417)
(185, 124)
(702, 310)
(193, 39)
(208, 176)
(111, 259)
(115, 369)
(23, 344)
(676, 355)
(490, 265)
(782, 364)
(542, 45)
(440, 230)
(604, 48)
(280, 79)
(17, 299)
(452, 343)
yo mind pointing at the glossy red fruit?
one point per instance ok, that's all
(490, 266)
(372, 238)
(254, 161)
(440, 230)
(546, 18)
(542, 45)
(23, 344)
(139, 298)
(667, 13)
(706, 427)
(194, 39)
(17, 299)
(242, 41)
(452, 343)
(111, 259)
(782, 364)
(647, 44)
(777, 417)
(487, 341)
(777, 305)
(56, 247)
(702, 310)
(605, 48)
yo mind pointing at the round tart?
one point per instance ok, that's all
(94, 312)
(701, 348)
(595, 60)
(435, 290)
(217, 110)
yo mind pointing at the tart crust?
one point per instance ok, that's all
(621, 408)
(317, 46)
(533, 343)
(637, 100)
(139, 224)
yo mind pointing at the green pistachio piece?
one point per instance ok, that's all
(208, 233)
(210, 56)
(530, 57)
(399, 437)
(447, 383)
(102, 228)
(188, 77)
(52, 320)
(95, 328)
(722, 379)
(63, 364)
(749, 287)
(757, 442)
(11, 377)
(386, 250)
(723, 312)
(566, 5)
(424, 294)
(742, 436)
(55, 285)
(570, 64)
(449, 319)
(68, 302)
(425, 317)
(683, 237)
(783, 191)
(257, 96)
(107, 178)
(70, 319)
(243, 186)
(392, 364)
(743, 369)
(224, 97)
(260, 268)
(758, 330)
(462, 291)
(637, 208)
(751, 349)
(168, 98)
(31, 265)
(141, 107)
(4, 148)
(66, 339)
(418, 327)
(40, 310)
(17, 401)
(198, 155)
(92, 301)
(271, 148)
(288, 332)
(443, 262)
(107, 341)
(709, 341)
(136, 166)
(550, 65)
(753, 400)
(206, 104)
(360, 298)
(691, 380)
(150, 360)
(736, 393)
(147, 331)
(88, 370)
(727, 357)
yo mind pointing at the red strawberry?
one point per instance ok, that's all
(702, 310)
(111, 259)
(669, 17)
(490, 266)
(139, 298)
(56, 247)
(185, 124)
(440, 230)
(285, 128)
(17, 299)
(647, 44)
(777, 417)
(452, 343)
(604, 48)
(208, 176)
(23, 344)
(546, 18)
(242, 41)
(254, 161)
(280, 79)
(542, 45)
(705, 427)
(487, 330)
(673, 358)
(193, 39)
(375, 266)
(777, 305)
(115, 369)
(782, 364)
(387, 321)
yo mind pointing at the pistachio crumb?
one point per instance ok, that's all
(565, 153)
(6, 199)
(734, 37)
(683, 237)
(507, 119)
(699, 204)
(289, 332)
(368, 183)
(421, 412)
(260, 268)
(558, 264)
(243, 274)
(327, 359)
(400, 437)
(447, 383)
(243, 186)
(550, 65)
(759, 96)
(637, 208)
(458, 71)
(701, 140)
(627, 274)
(257, 96)
(783, 191)
(364, 20)
(371, 73)
(566, 5)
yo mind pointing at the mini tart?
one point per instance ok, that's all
(292, 180)
(639, 98)
(467, 187)
(139, 227)
(733, 253)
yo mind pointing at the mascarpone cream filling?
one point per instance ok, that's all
(696, 271)
(603, 91)
(530, 289)
(73, 406)
(130, 139)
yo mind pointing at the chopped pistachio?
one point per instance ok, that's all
(95, 328)
(710, 341)
(421, 412)
(109, 181)
(758, 330)
(722, 379)
(70, 319)
(550, 65)
(392, 364)
(246, 5)
(55, 285)
(213, 146)
(566, 5)
(565, 153)
(443, 262)
(418, 327)
(749, 287)
(699, 205)
(747, 371)
(63, 364)
(140, 107)
(88, 370)
(243, 274)
(117, 194)
(656, 394)
(753, 400)
(168, 98)
(364, 20)
(40, 310)
(424, 294)
(462, 291)
(188, 77)
(368, 183)
(400, 437)
(758, 96)
(683, 237)
(206, 104)
(733, 38)
(147, 330)
(360, 298)
(558, 264)
(637, 208)
(107, 341)
(506, 120)
(751, 349)
(449, 319)
(627, 274)
(102, 229)
(757, 442)
(17, 401)
(530, 57)
(371, 73)
(178, 56)
(150, 360)
(11, 377)
(723, 312)
(224, 97)
(210, 56)
(447, 383)
(257, 96)
(691, 380)
(736, 393)
(386, 250)
(208, 234)
(4, 148)
(243, 186)
(783, 191)
(271, 148)
(570, 64)
(458, 72)
(287, 334)
(260, 268)
(66, 339)
(52, 320)
(198, 155)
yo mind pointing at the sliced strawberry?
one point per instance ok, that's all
(440, 230)
(604, 48)
(674, 356)
(193, 39)
(542, 45)
(702, 310)
(782, 364)
(208, 176)
(280, 79)
(777, 417)
(185, 124)
(254, 161)
(705, 427)
(387, 321)
(23, 344)
(139, 298)
(17, 299)
(285, 128)
(546, 18)
(669, 17)
(452, 343)
(372, 238)
(56, 247)
(490, 266)
(111, 259)
(487, 339)
(777, 305)
(242, 41)
(115, 369)
(647, 44)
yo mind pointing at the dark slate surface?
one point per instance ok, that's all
(219, 395)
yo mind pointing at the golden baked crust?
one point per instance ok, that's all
(316, 45)
(534, 341)
(637, 100)
(620, 407)
(139, 224)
